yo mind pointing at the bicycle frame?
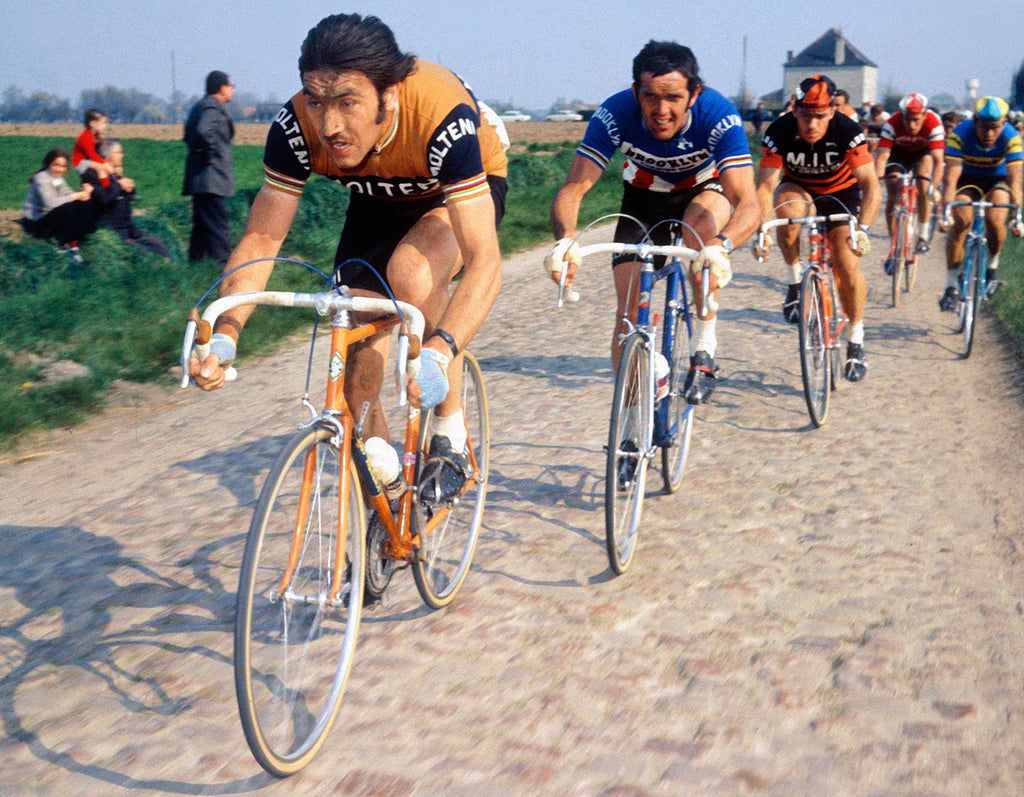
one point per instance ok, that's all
(977, 236)
(905, 213)
(337, 414)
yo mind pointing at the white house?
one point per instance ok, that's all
(833, 55)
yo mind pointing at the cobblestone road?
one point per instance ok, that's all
(832, 611)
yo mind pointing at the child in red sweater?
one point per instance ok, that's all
(84, 155)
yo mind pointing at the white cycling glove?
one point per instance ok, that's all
(861, 243)
(432, 378)
(224, 347)
(566, 250)
(717, 259)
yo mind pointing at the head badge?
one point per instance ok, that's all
(913, 103)
(991, 109)
(815, 92)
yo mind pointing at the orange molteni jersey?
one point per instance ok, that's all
(438, 144)
(823, 167)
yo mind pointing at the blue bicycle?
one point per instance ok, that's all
(973, 282)
(649, 411)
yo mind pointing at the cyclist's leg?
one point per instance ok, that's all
(853, 291)
(791, 202)
(626, 275)
(962, 218)
(995, 223)
(925, 173)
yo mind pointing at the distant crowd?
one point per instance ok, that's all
(55, 211)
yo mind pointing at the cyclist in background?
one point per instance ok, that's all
(426, 171)
(873, 122)
(817, 160)
(841, 102)
(912, 140)
(687, 158)
(984, 160)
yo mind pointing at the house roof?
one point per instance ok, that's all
(824, 50)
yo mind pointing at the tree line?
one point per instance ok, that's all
(122, 106)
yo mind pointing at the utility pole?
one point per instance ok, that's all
(744, 100)
(174, 92)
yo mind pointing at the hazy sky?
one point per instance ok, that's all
(529, 52)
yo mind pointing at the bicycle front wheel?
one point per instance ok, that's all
(294, 641)
(972, 297)
(448, 533)
(679, 416)
(626, 470)
(815, 360)
(900, 266)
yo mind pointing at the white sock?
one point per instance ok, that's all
(797, 271)
(856, 333)
(993, 262)
(952, 281)
(923, 235)
(453, 427)
(704, 337)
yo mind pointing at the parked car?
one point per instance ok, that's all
(513, 115)
(565, 115)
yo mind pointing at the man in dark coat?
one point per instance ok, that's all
(209, 170)
(112, 197)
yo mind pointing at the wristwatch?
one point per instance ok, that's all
(726, 243)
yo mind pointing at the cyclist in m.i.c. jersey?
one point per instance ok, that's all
(984, 160)
(687, 159)
(816, 159)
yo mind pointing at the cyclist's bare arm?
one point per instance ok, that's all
(870, 193)
(565, 208)
(269, 221)
(767, 181)
(472, 222)
(738, 185)
(954, 166)
(881, 160)
(1015, 177)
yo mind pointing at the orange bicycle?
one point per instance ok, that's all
(311, 557)
(821, 319)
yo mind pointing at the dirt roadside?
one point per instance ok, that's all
(835, 610)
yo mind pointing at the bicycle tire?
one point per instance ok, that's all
(900, 266)
(446, 551)
(815, 356)
(910, 267)
(293, 654)
(680, 413)
(972, 299)
(626, 468)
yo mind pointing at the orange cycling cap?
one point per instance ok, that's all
(815, 92)
(913, 103)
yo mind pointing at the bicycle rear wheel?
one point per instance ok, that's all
(294, 645)
(449, 532)
(815, 358)
(626, 469)
(972, 297)
(679, 416)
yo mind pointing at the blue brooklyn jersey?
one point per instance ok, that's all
(712, 141)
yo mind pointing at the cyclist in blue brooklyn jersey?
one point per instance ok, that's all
(984, 161)
(687, 158)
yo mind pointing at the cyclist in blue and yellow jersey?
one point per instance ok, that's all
(687, 158)
(984, 160)
(426, 171)
(816, 160)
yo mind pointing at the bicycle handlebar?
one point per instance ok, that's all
(762, 231)
(979, 204)
(324, 303)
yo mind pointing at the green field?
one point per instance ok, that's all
(122, 314)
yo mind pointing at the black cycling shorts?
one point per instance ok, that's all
(844, 201)
(652, 207)
(980, 187)
(374, 228)
(906, 158)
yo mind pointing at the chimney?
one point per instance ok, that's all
(840, 51)
(789, 55)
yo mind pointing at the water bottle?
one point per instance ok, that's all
(660, 376)
(384, 462)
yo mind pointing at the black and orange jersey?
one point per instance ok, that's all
(438, 144)
(823, 167)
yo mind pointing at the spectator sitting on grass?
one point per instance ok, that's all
(53, 210)
(112, 197)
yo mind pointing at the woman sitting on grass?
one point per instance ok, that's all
(53, 210)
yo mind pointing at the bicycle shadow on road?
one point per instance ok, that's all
(239, 470)
(566, 371)
(71, 590)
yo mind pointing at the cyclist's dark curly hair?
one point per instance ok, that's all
(349, 42)
(660, 58)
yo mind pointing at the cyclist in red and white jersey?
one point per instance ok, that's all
(913, 139)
